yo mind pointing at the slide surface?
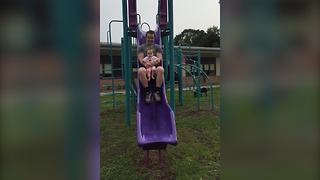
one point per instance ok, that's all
(156, 125)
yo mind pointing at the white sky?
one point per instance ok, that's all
(194, 14)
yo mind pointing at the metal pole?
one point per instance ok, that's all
(211, 92)
(111, 59)
(122, 59)
(166, 58)
(126, 60)
(198, 81)
(179, 58)
(107, 36)
(166, 55)
(183, 66)
(129, 70)
(171, 50)
(133, 83)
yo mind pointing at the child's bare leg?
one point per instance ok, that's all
(149, 74)
(153, 72)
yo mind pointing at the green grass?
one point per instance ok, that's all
(197, 155)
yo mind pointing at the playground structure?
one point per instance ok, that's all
(155, 130)
(172, 59)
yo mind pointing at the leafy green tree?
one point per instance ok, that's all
(213, 37)
(191, 37)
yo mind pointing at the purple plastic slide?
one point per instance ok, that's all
(156, 125)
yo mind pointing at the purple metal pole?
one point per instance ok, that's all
(132, 14)
(163, 14)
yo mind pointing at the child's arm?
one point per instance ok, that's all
(147, 62)
(156, 60)
(159, 56)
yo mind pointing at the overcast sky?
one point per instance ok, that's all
(194, 14)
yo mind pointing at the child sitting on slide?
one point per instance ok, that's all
(148, 61)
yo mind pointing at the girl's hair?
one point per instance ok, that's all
(150, 48)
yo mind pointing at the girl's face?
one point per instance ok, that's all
(150, 52)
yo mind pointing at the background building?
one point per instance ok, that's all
(209, 59)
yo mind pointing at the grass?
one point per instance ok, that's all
(197, 155)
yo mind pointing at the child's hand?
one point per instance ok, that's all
(145, 59)
(148, 64)
(155, 60)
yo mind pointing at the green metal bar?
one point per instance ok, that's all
(111, 59)
(107, 35)
(198, 80)
(179, 59)
(111, 62)
(134, 92)
(171, 55)
(182, 67)
(198, 93)
(199, 58)
(133, 83)
(126, 60)
(122, 59)
(129, 70)
(207, 78)
(117, 69)
(211, 93)
(166, 57)
(190, 55)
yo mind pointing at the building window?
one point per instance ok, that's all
(212, 67)
(107, 69)
(206, 67)
(209, 69)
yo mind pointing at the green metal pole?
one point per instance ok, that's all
(126, 60)
(195, 80)
(199, 59)
(179, 58)
(111, 59)
(122, 59)
(198, 81)
(111, 62)
(211, 92)
(166, 55)
(130, 69)
(133, 85)
(198, 93)
(171, 55)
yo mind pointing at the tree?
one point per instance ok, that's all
(192, 37)
(213, 37)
